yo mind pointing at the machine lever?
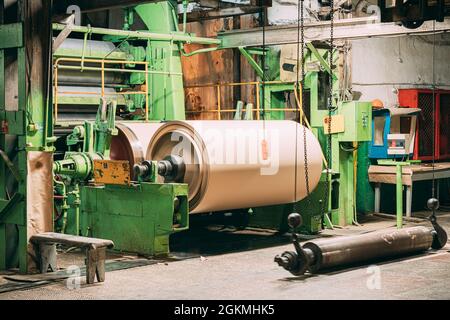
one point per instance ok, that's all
(295, 262)
(439, 235)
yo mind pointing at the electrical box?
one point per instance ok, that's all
(112, 172)
(357, 118)
(393, 133)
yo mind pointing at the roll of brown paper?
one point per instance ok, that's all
(132, 141)
(240, 164)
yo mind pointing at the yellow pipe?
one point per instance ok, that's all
(258, 102)
(218, 103)
(99, 61)
(102, 70)
(230, 84)
(234, 110)
(106, 93)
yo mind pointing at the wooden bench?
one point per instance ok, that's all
(45, 249)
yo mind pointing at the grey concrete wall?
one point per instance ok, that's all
(286, 11)
(381, 66)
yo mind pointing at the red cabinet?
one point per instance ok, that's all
(426, 127)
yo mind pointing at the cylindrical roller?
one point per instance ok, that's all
(93, 49)
(329, 253)
(89, 77)
(240, 164)
(324, 254)
(76, 48)
(132, 141)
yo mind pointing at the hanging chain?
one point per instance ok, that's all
(302, 37)
(325, 204)
(300, 64)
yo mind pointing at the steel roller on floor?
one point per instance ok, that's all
(338, 252)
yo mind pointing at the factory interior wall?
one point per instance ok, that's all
(223, 66)
(381, 66)
(285, 11)
(392, 64)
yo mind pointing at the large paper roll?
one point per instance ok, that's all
(240, 164)
(132, 141)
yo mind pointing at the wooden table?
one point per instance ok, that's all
(417, 172)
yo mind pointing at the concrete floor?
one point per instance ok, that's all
(252, 274)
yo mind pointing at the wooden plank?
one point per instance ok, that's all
(388, 170)
(389, 179)
(77, 241)
(419, 172)
(206, 68)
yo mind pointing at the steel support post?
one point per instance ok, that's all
(399, 194)
(2, 246)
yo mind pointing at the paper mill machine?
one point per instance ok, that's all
(153, 167)
(95, 142)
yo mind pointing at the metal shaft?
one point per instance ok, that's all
(343, 251)
(371, 246)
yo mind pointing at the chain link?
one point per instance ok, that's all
(305, 153)
(300, 64)
(330, 108)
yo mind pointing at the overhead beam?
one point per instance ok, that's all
(345, 29)
(220, 13)
(102, 5)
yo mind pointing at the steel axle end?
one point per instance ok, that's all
(290, 261)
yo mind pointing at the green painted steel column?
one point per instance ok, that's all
(3, 147)
(2, 246)
(166, 91)
(365, 195)
(399, 191)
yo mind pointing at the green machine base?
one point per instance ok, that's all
(138, 217)
(311, 210)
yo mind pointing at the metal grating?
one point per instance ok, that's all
(426, 124)
(444, 125)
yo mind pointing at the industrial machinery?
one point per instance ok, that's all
(350, 130)
(325, 254)
(97, 144)
(115, 173)
(393, 133)
(136, 178)
(412, 13)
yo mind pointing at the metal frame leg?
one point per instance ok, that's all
(409, 190)
(399, 196)
(377, 197)
(2, 246)
(23, 252)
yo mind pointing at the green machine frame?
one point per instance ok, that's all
(140, 216)
(342, 199)
(29, 127)
(26, 128)
(161, 46)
